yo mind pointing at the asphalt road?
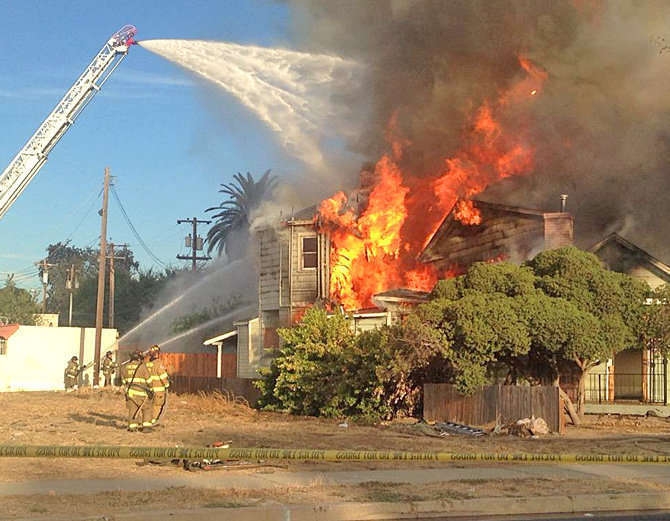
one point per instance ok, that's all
(614, 516)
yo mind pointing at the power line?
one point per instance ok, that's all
(88, 211)
(132, 228)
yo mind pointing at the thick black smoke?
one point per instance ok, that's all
(600, 129)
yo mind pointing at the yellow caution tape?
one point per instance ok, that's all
(192, 453)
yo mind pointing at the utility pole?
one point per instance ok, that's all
(101, 280)
(45, 281)
(194, 242)
(111, 257)
(71, 283)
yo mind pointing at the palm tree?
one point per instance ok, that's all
(230, 231)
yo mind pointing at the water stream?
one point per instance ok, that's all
(211, 290)
(289, 91)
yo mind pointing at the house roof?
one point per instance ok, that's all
(306, 214)
(401, 295)
(220, 338)
(8, 330)
(617, 241)
(503, 228)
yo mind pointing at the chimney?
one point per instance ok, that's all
(564, 198)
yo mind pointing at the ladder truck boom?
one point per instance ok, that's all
(34, 153)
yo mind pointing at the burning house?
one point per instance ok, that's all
(300, 266)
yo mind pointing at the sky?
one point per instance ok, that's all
(167, 141)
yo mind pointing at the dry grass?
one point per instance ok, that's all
(224, 403)
(98, 418)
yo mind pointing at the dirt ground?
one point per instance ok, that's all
(97, 417)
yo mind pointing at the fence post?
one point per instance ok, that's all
(600, 397)
(665, 381)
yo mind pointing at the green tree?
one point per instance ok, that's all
(560, 310)
(303, 378)
(230, 231)
(324, 369)
(134, 290)
(17, 306)
(60, 257)
(655, 333)
(608, 307)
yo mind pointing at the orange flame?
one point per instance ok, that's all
(375, 249)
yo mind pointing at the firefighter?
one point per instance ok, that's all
(139, 396)
(71, 373)
(160, 382)
(108, 368)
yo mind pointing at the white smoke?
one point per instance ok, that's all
(289, 91)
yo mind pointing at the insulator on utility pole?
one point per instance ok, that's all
(44, 266)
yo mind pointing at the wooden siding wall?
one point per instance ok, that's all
(269, 282)
(504, 236)
(498, 403)
(304, 282)
(323, 290)
(243, 346)
(232, 387)
(198, 364)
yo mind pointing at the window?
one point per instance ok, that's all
(3, 345)
(309, 252)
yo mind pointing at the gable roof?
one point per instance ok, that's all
(622, 255)
(504, 231)
(403, 295)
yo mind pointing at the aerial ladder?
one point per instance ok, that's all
(35, 152)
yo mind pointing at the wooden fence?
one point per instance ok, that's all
(232, 387)
(199, 364)
(497, 403)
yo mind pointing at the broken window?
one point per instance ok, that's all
(309, 252)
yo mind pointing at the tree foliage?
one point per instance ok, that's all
(134, 288)
(305, 376)
(230, 231)
(656, 319)
(17, 306)
(324, 369)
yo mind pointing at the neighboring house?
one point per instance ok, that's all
(634, 374)
(294, 269)
(623, 256)
(33, 358)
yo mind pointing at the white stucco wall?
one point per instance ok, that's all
(36, 356)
